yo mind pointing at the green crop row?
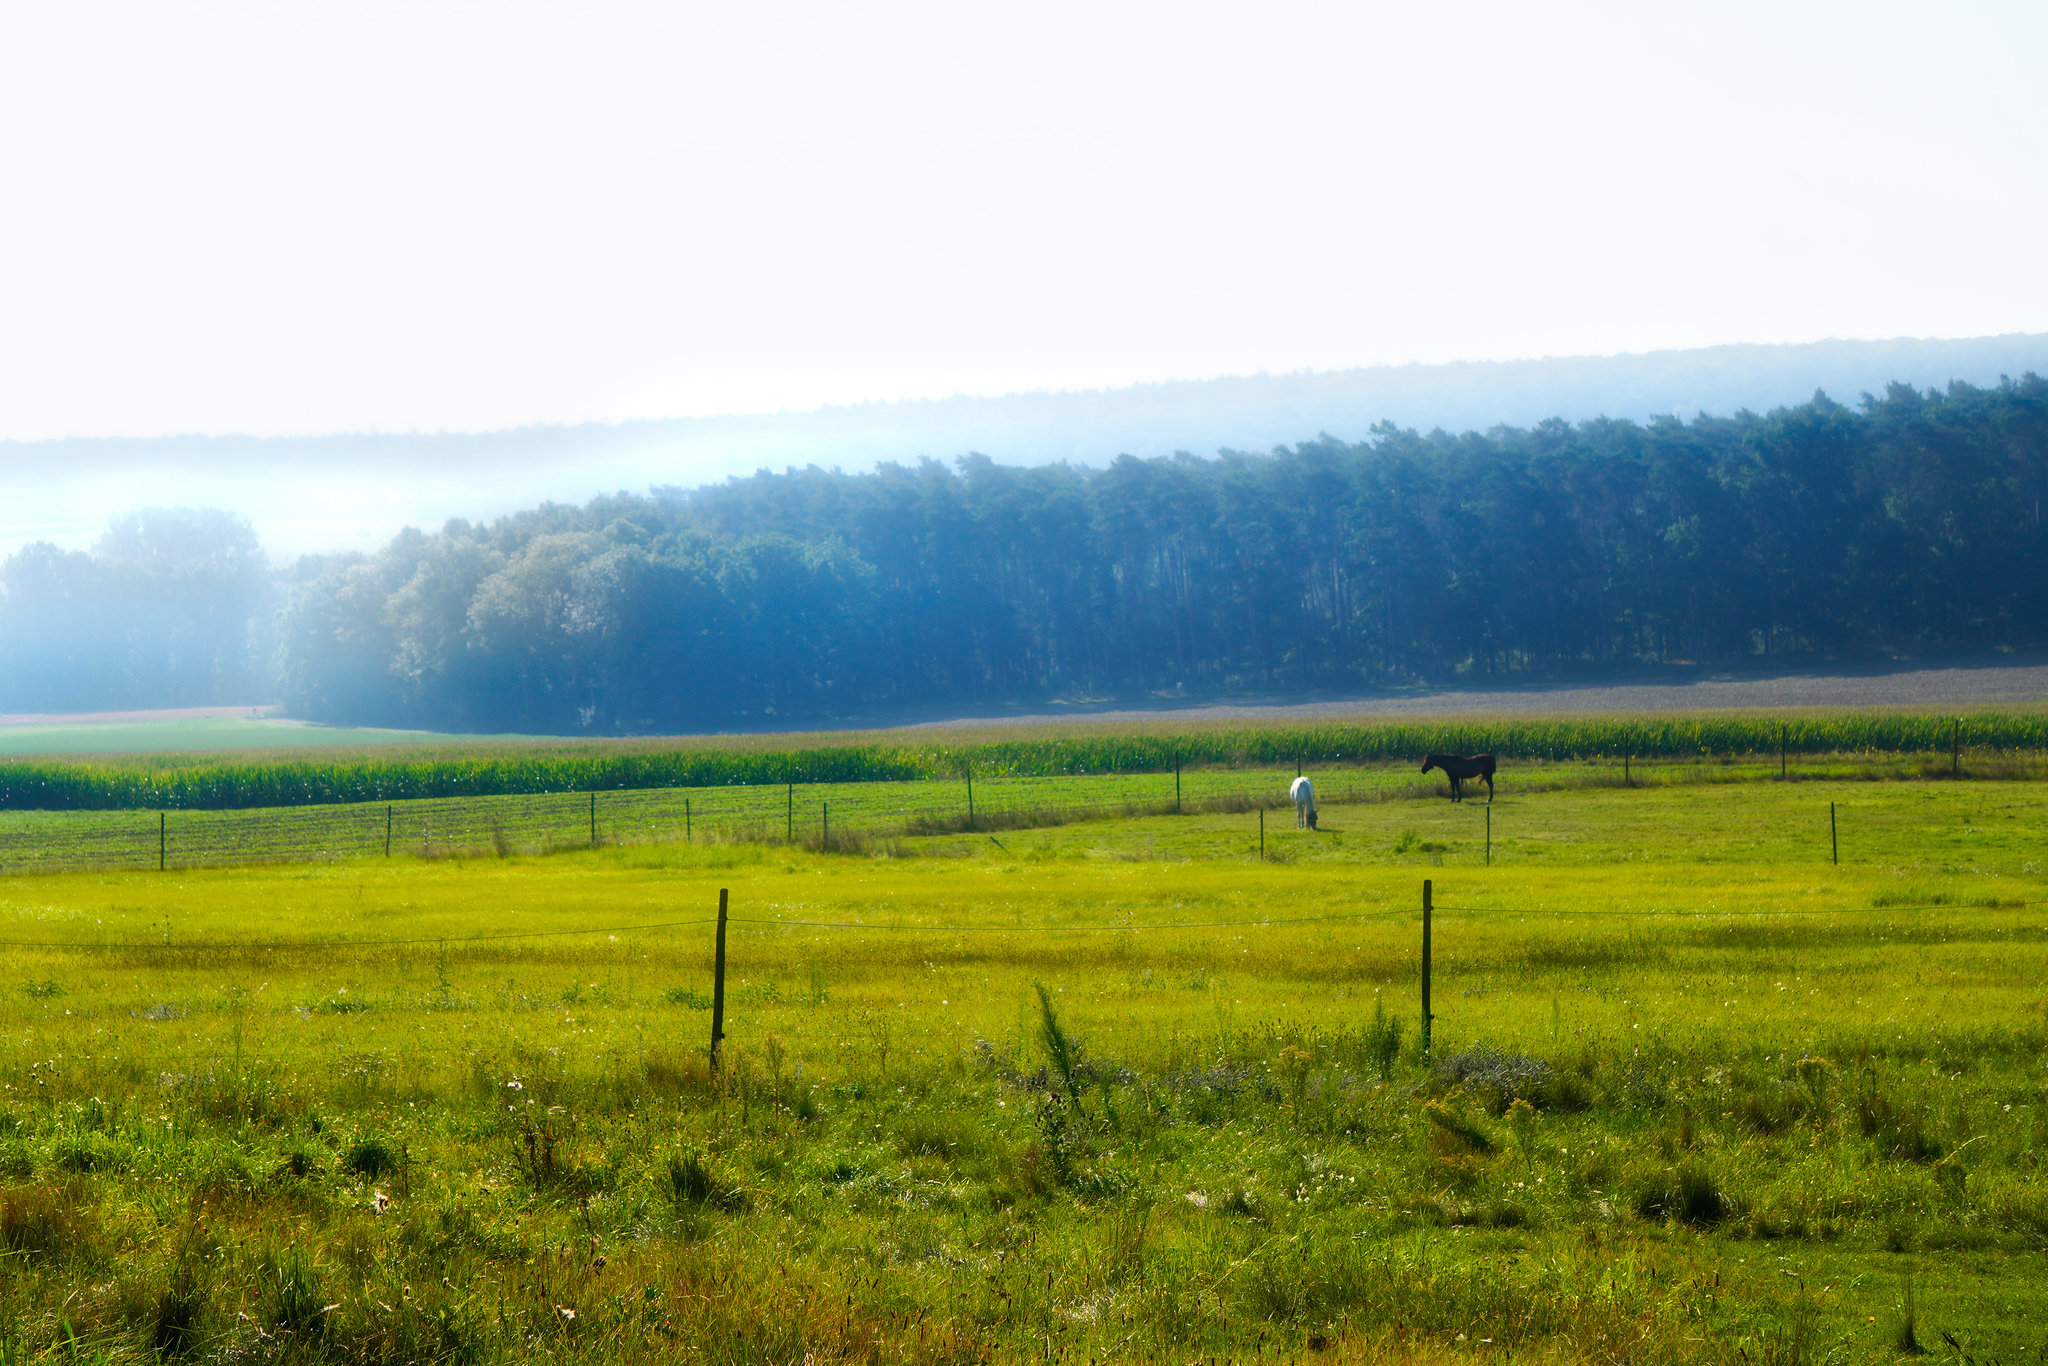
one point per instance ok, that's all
(222, 784)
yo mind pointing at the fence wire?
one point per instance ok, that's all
(58, 841)
(1438, 911)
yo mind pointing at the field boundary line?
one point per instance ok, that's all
(1088, 929)
(360, 943)
(1725, 915)
(899, 927)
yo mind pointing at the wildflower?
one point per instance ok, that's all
(380, 1202)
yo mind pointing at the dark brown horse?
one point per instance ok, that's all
(1459, 767)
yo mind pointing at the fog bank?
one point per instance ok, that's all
(353, 492)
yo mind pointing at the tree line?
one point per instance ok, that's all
(171, 608)
(1910, 524)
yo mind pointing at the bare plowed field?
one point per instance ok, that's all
(1911, 687)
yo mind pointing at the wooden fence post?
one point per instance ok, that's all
(1176, 785)
(789, 816)
(161, 819)
(718, 985)
(1955, 748)
(970, 794)
(387, 831)
(1781, 754)
(1834, 837)
(1262, 832)
(1426, 1015)
(686, 820)
(825, 840)
(593, 818)
(1489, 834)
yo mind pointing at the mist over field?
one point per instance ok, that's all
(355, 491)
(1907, 526)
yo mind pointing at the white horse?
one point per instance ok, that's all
(1302, 793)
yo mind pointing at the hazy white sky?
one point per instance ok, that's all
(297, 218)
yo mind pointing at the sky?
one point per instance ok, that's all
(292, 219)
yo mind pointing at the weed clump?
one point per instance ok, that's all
(1456, 1127)
(1501, 1079)
(1686, 1195)
(1898, 1133)
(1383, 1039)
(294, 1302)
(371, 1158)
(690, 1184)
(174, 1315)
(88, 1152)
(40, 1221)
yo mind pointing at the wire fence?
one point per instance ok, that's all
(813, 813)
(1553, 913)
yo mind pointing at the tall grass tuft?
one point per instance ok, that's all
(1383, 1039)
(1062, 1050)
(371, 1158)
(1906, 1339)
(294, 1300)
(1687, 1195)
(174, 1315)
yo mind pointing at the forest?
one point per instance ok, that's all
(1907, 525)
(171, 608)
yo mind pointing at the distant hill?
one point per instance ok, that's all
(354, 491)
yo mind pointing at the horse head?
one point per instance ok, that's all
(1428, 762)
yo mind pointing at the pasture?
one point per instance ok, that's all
(1696, 1092)
(860, 815)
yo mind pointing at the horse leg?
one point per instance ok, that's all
(1489, 788)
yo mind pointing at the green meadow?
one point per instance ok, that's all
(870, 816)
(1112, 1088)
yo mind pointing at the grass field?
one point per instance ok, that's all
(1696, 1093)
(844, 817)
